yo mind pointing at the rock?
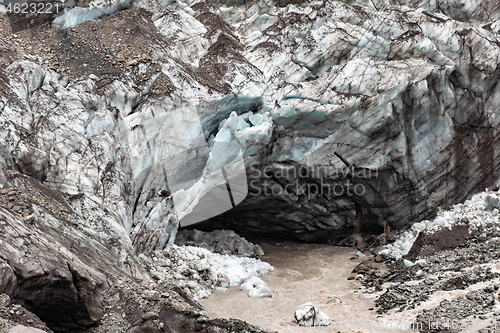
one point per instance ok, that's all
(308, 315)
(5, 300)
(152, 295)
(493, 200)
(258, 251)
(440, 240)
(132, 62)
(334, 300)
(223, 280)
(16, 208)
(29, 218)
(149, 315)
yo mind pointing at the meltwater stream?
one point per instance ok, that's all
(305, 273)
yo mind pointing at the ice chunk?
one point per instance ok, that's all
(408, 263)
(79, 15)
(308, 315)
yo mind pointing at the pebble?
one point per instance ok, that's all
(335, 300)
(149, 315)
(152, 295)
(29, 218)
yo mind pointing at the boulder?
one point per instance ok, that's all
(308, 315)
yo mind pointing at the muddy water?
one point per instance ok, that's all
(305, 273)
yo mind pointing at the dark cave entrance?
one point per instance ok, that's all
(258, 226)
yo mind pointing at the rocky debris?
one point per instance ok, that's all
(447, 270)
(452, 314)
(475, 213)
(33, 194)
(402, 297)
(219, 241)
(308, 315)
(256, 288)
(493, 200)
(127, 310)
(455, 254)
(16, 318)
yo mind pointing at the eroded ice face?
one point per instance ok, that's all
(215, 180)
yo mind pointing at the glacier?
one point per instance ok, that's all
(141, 114)
(395, 92)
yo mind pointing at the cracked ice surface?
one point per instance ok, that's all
(405, 92)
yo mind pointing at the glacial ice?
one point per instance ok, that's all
(292, 84)
(79, 15)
